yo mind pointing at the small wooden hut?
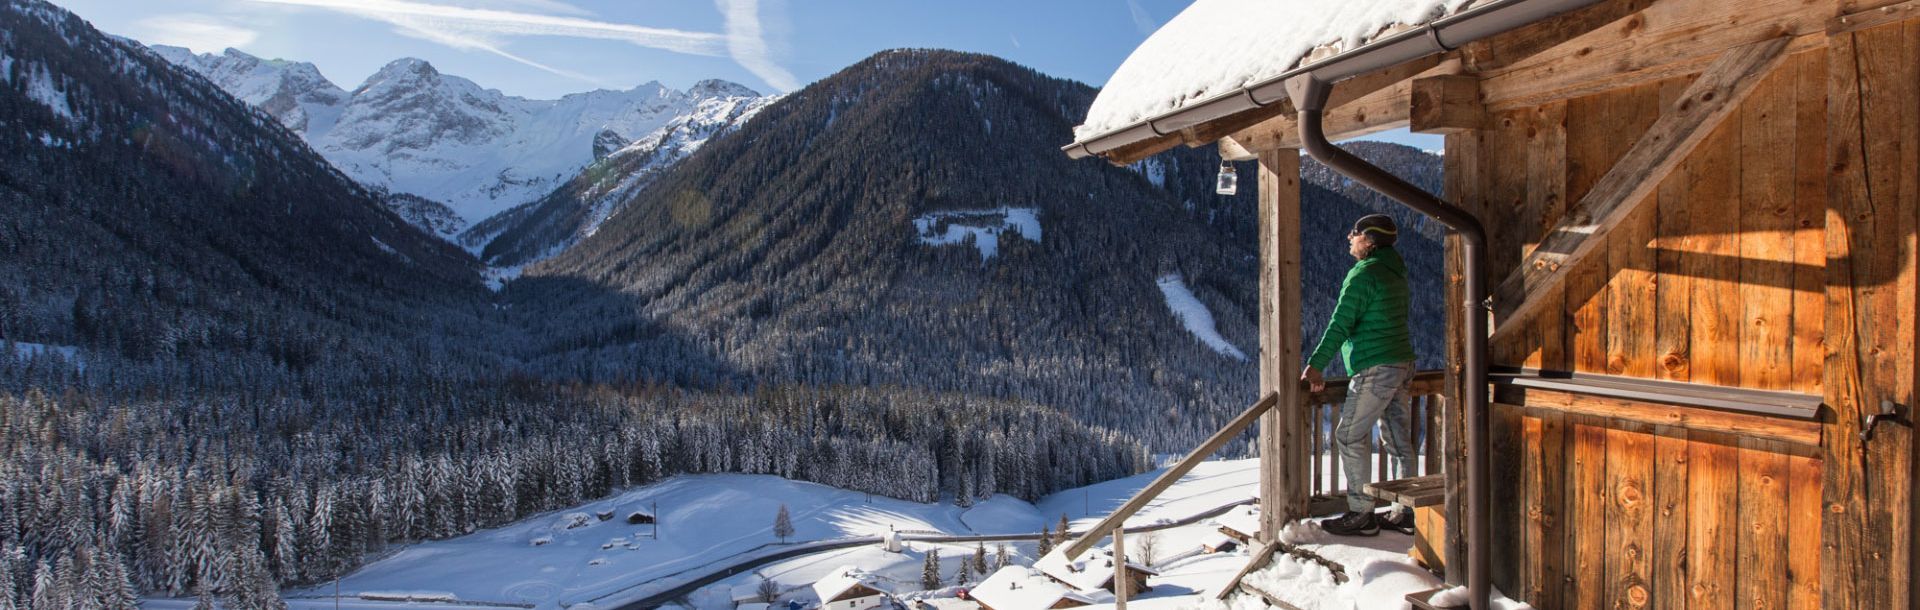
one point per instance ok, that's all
(1700, 239)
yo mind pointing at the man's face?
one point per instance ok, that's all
(1358, 244)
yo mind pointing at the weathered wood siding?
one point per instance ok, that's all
(1614, 513)
(1721, 279)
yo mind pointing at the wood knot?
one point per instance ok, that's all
(1630, 495)
(1637, 595)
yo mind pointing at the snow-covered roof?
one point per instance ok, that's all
(1245, 519)
(1022, 588)
(843, 579)
(1093, 570)
(1218, 46)
(1217, 540)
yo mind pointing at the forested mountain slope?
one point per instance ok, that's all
(911, 221)
(177, 236)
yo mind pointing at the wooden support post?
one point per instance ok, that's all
(1445, 104)
(1121, 588)
(1627, 186)
(1284, 438)
(1873, 204)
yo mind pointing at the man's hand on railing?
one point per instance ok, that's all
(1316, 382)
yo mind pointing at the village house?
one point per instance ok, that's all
(1681, 267)
(1094, 571)
(850, 588)
(1022, 588)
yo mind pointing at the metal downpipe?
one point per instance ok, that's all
(1310, 98)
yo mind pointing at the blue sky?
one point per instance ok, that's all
(547, 48)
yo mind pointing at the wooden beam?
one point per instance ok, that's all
(1666, 39)
(1350, 112)
(1625, 187)
(1493, 53)
(1445, 104)
(1869, 18)
(1231, 151)
(1285, 439)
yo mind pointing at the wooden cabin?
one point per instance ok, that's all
(1701, 251)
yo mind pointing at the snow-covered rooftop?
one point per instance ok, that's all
(1217, 46)
(1245, 519)
(1022, 588)
(1092, 571)
(843, 579)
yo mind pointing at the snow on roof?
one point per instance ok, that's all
(1217, 540)
(1022, 588)
(843, 579)
(1093, 570)
(1218, 46)
(1245, 520)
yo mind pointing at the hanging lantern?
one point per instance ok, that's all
(1228, 183)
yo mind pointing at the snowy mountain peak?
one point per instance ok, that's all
(411, 129)
(293, 92)
(713, 88)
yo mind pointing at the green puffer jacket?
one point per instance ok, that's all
(1369, 324)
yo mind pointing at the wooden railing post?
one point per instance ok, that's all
(1120, 585)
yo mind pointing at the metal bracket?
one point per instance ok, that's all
(1888, 410)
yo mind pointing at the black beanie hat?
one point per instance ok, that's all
(1380, 227)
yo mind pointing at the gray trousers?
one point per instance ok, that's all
(1377, 393)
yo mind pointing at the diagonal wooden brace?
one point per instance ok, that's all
(1627, 186)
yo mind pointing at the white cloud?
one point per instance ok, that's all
(485, 44)
(1141, 20)
(483, 25)
(747, 43)
(478, 23)
(202, 33)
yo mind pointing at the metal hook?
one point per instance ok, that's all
(1888, 410)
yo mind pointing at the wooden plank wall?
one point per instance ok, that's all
(1722, 280)
(1718, 281)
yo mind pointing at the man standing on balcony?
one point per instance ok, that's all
(1369, 329)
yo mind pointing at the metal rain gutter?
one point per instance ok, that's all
(1438, 36)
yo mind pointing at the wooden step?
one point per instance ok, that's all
(1422, 600)
(1415, 492)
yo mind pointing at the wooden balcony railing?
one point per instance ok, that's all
(1323, 409)
(1323, 418)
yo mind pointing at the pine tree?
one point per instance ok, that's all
(46, 594)
(783, 524)
(930, 573)
(965, 577)
(1060, 531)
(7, 588)
(1001, 558)
(980, 558)
(1046, 542)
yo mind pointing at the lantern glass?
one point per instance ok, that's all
(1228, 183)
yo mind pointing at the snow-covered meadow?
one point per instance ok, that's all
(591, 555)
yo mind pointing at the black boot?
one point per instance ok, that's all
(1352, 524)
(1400, 521)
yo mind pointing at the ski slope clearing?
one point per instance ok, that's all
(1194, 315)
